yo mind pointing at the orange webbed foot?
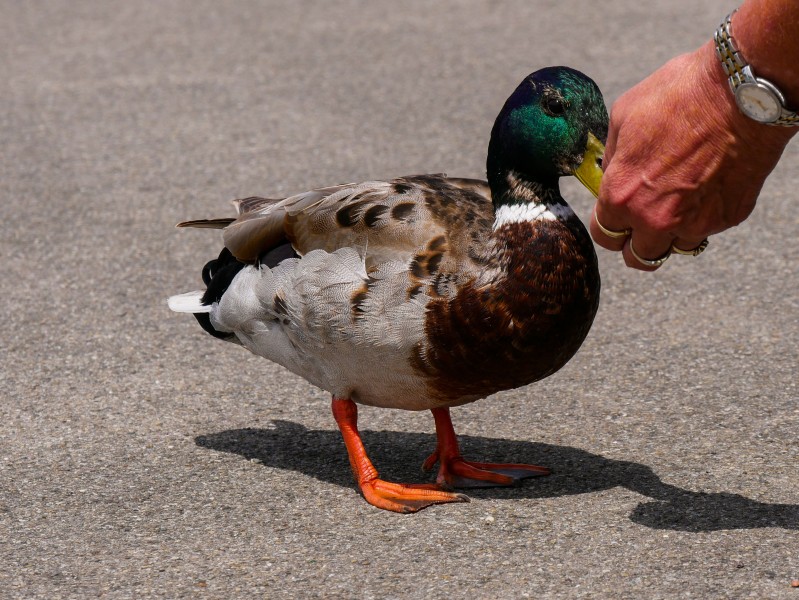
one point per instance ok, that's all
(406, 497)
(455, 472)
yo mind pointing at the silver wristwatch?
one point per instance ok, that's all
(757, 98)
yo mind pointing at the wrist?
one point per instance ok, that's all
(765, 35)
(758, 98)
(714, 84)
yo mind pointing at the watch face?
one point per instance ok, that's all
(757, 102)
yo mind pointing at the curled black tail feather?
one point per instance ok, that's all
(217, 275)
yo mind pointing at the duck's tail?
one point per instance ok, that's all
(217, 275)
(190, 302)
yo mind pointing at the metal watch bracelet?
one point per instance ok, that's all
(739, 72)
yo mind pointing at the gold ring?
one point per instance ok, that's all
(693, 251)
(609, 232)
(649, 263)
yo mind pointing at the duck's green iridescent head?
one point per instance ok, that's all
(554, 124)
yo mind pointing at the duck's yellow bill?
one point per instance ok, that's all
(590, 170)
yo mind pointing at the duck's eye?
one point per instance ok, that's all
(554, 106)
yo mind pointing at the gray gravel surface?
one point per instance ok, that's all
(141, 458)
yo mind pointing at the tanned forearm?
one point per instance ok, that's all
(766, 34)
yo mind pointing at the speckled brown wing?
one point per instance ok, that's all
(259, 227)
(433, 222)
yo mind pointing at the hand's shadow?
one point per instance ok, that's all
(321, 454)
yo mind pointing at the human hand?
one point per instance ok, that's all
(681, 162)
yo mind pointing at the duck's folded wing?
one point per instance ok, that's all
(386, 220)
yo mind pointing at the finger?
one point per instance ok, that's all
(607, 230)
(646, 251)
(688, 245)
(606, 233)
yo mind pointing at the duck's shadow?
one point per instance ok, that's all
(321, 454)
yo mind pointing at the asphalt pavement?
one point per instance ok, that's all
(140, 458)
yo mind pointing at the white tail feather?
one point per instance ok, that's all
(190, 302)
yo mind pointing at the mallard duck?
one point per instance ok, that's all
(423, 292)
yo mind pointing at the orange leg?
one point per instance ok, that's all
(399, 497)
(456, 472)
